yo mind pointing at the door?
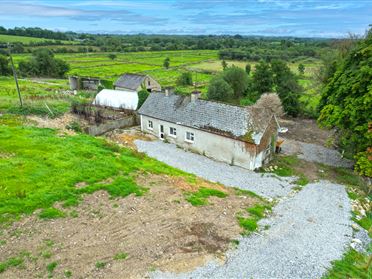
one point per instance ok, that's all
(161, 132)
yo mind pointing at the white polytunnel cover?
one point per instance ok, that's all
(117, 99)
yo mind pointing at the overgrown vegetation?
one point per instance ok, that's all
(352, 265)
(346, 102)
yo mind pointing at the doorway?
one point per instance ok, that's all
(161, 132)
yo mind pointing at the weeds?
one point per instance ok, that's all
(50, 268)
(11, 262)
(100, 265)
(120, 256)
(352, 265)
(201, 196)
(67, 273)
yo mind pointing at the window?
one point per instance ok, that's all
(150, 125)
(173, 132)
(189, 137)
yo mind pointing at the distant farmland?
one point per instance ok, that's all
(26, 40)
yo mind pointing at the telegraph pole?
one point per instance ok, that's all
(14, 74)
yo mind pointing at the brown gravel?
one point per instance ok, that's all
(158, 230)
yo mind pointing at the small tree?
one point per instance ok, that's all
(248, 69)
(185, 79)
(112, 56)
(301, 69)
(5, 69)
(224, 64)
(166, 63)
(219, 89)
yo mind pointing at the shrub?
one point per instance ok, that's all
(185, 79)
(142, 96)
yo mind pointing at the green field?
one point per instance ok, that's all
(26, 40)
(203, 64)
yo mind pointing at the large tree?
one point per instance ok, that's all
(346, 103)
(237, 78)
(219, 89)
(263, 78)
(286, 86)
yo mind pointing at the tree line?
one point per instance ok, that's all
(237, 84)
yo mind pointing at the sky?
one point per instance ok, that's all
(306, 18)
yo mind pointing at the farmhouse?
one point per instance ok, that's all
(242, 136)
(135, 82)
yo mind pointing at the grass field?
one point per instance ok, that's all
(46, 169)
(26, 40)
(203, 64)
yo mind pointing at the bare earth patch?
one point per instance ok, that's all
(126, 137)
(305, 130)
(59, 123)
(158, 230)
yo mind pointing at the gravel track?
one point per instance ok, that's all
(307, 232)
(266, 185)
(315, 153)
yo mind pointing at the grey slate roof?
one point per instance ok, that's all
(130, 81)
(228, 120)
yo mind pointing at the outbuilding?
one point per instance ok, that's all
(118, 99)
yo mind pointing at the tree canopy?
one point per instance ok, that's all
(287, 87)
(43, 64)
(346, 103)
(237, 78)
(219, 89)
(263, 78)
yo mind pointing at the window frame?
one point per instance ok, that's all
(174, 130)
(191, 135)
(150, 127)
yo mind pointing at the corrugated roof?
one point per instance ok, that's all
(244, 123)
(130, 81)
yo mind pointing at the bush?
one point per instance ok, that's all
(185, 79)
(238, 80)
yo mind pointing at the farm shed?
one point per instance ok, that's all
(84, 83)
(135, 82)
(117, 99)
(242, 136)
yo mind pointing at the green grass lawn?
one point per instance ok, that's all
(39, 167)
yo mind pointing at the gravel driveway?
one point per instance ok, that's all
(307, 232)
(266, 185)
(315, 153)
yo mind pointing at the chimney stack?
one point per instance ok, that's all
(195, 95)
(168, 91)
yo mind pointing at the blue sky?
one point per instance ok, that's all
(306, 18)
